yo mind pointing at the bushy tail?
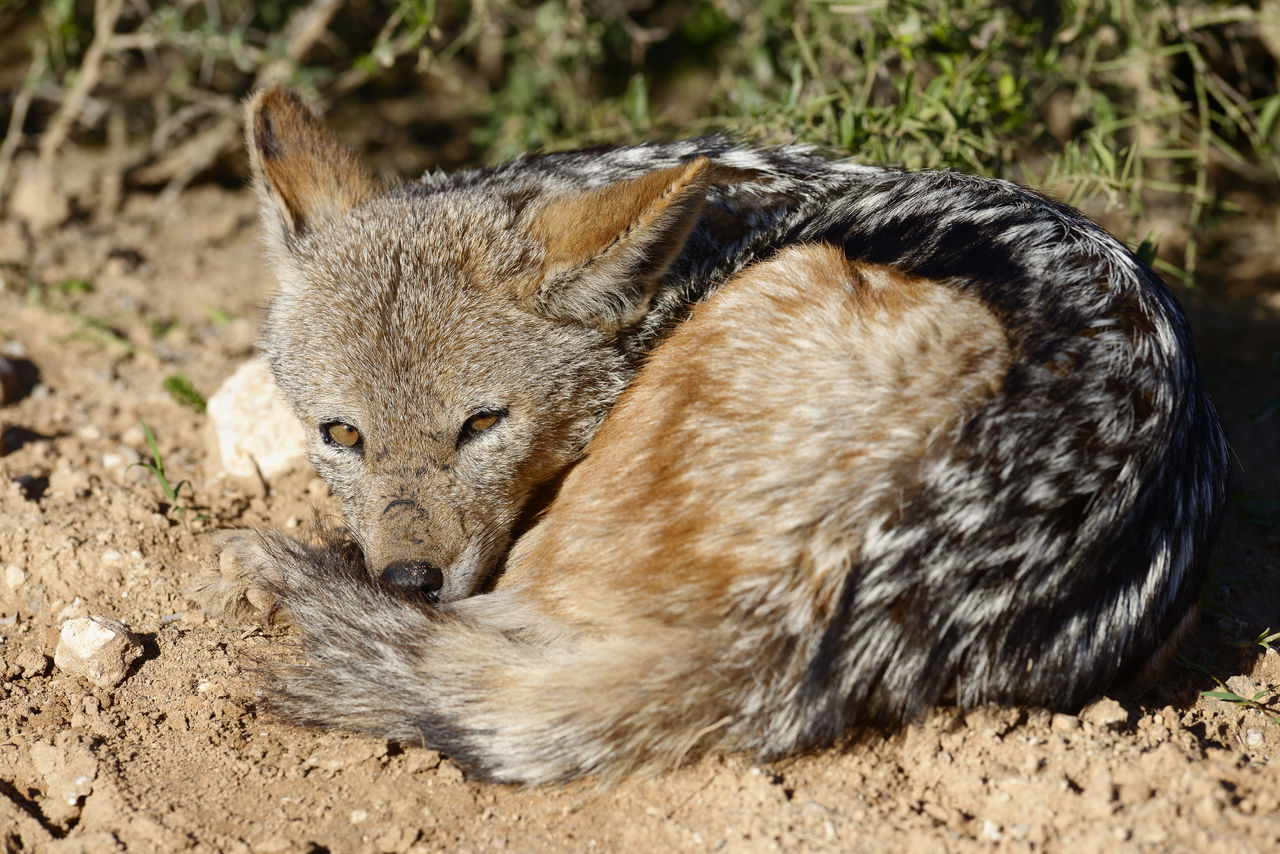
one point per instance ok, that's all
(509, 704)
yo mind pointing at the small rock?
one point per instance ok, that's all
(32, 663)
(1105, 714)
(1243, 686)
(1254, 737)
(68, 481)
(98, 649)
(1065, 723)
(124, 464)
(345, 754)
(14, 577)
(134, 436)
(89, 433)
(449, 772)
(253, 429)
(396, 840)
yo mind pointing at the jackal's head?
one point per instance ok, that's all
(449, 349)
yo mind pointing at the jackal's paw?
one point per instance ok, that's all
(241, 587)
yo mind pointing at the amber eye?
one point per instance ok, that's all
(479, 423)
(338, 433)
(482, 422)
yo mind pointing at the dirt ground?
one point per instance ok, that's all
(97, 312)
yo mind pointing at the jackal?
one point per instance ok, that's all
(816, 445)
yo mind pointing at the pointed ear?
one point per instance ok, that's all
(303, 174)
(607, 249)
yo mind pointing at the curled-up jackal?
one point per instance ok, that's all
(826, 445)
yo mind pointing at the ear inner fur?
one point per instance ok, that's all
(608, 248)
(303, 173)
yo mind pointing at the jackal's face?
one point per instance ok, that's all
(449, 351)
(435, 403)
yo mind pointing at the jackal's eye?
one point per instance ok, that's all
(482, 422)
(340, 434)
(479, 423)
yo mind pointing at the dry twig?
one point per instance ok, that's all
(181, 165)
(105, 15)
(18, 118)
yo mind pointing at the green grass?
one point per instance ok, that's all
(1122, 104)
(172, 492)
(1264, 640)
(184, 393)
(1253, 702)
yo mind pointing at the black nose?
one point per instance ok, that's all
(415, 576)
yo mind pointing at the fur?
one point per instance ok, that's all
(888, 440)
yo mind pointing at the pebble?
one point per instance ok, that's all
(254, 430)
(32, 663)
(14, 577)
(123, 464)
(68, 481)
(1105, 714)
(1064, 723)
(134, 436)
(1243, 686)
(89, 433)
(98, 649)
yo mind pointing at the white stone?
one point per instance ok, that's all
(14, 577)
(98, 649)
(252, 424)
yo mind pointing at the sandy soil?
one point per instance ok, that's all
(179, 755)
